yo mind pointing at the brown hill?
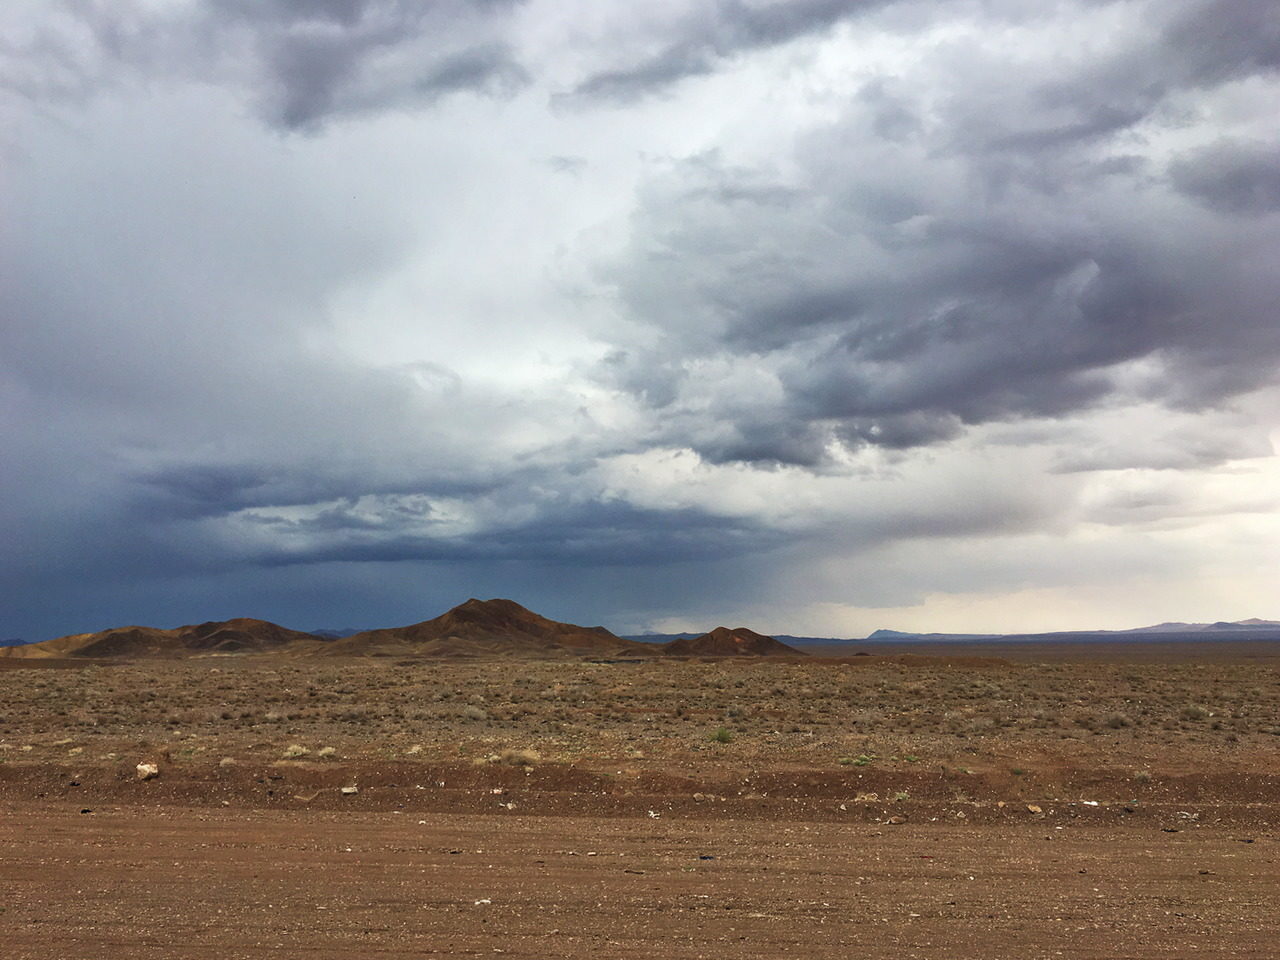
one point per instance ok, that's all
(489, 628)
(723, 642)
(241, 635)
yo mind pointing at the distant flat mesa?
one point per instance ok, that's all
(723, 642)
(477, 628)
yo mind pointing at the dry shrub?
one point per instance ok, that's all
(519, 758)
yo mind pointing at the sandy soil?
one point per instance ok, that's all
(905, 806)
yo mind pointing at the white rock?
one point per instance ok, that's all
(147, 771)
(350, 791)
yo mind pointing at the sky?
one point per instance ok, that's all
(814, 316)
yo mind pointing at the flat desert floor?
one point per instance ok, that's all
(1024, 802)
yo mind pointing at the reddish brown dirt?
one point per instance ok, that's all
(204, 882)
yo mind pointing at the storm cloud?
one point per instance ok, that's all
(700, 37)
(299, 64)
(812, 314)
(926, 262)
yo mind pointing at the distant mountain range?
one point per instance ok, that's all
(1236, 627)
(503, 627)
(475, 628)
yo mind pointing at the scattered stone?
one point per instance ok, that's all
(897, 819)
(1034, 808)
(350, 791)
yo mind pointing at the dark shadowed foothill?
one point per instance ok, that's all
(723, 642)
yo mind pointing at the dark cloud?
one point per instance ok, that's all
(1232, 177)
(766, 439)
(325, 60)
(318, 78)
(569, 534)
(714, 33)
(303, 64)
(1004, 260)
(1213, 41)
(193, 490)
(1174, 49)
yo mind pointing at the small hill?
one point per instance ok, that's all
(723, 642)
(241, 635)
(489, 628)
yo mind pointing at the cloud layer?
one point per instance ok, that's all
(650, 316)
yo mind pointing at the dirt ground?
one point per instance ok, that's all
(959, 805)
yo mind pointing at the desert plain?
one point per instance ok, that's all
(959, 800)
